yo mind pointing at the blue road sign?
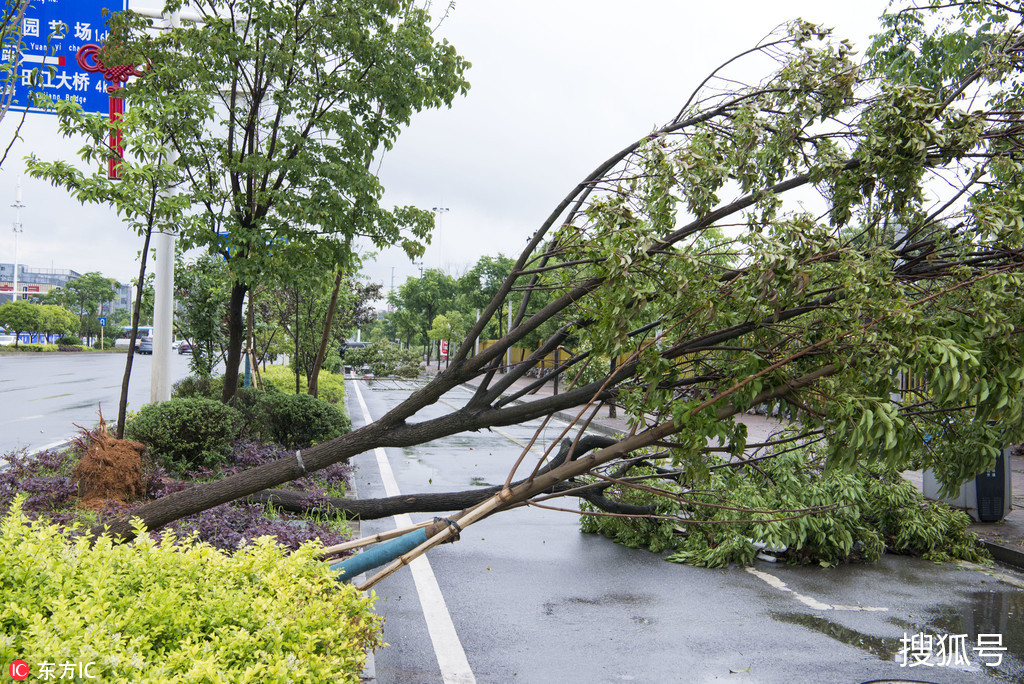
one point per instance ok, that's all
(53, 32)
(103, 321)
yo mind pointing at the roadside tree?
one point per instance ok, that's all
(56, 320)
(201, 287)
(84, 295)
(424, 298)
(21, 316)
(287, 103)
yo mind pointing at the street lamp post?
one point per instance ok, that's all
(163, 291)
(18, 206)
(440, 211)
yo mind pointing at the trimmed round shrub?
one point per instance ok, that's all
(69, 341)
(158, 611)
(107, 343)
(195, 386)
(297, 421)
(186, 433)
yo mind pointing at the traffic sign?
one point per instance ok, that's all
(103, 321)
(53, 32)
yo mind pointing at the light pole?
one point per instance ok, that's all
(440, 211)
(18, 206)
(163, 285)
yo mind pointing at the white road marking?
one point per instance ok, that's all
(54, 445)
(807, 600)
(22, 419)
(451, 657)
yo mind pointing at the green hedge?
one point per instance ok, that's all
(297, 421)
(331, 385)
(29, 348)
(159, 612)
(186, 433)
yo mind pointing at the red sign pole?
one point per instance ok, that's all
(118, 75)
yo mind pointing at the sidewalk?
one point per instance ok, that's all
(1004, 539)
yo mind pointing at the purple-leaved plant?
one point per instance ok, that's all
(51, 492)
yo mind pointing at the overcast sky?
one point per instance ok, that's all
(557, 86)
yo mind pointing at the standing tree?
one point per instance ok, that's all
(276, 110)
(426, 297)
(56, 320)
(137, 195)
(200, 291)
(21, 316)
(697, 257)
(85, 294)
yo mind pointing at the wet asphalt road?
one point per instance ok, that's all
(534, 600)
(43, 396)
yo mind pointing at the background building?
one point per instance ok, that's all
(38, 281)
(32, 281)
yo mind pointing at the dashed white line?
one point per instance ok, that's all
(814, 603)
(451, 657)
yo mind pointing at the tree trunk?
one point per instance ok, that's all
(236, 331)
(122, 406)
(325, 337)
(296, 364)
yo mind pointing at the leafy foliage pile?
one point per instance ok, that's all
(385, 358)
(790, 501)
(159, 610)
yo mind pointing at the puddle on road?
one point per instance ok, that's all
(884, 649)
(983, 612)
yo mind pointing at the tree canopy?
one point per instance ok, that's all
(276, 110)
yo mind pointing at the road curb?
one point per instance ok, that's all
(1008, 555)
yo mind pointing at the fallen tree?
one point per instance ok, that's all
(841, 241)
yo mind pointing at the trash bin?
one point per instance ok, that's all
(986, 498)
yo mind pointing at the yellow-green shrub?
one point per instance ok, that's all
(156, 612)
(331, 386)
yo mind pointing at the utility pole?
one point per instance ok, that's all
(18, 206)
(163, 283)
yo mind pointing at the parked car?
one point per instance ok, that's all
(145, 345)
(184, 348)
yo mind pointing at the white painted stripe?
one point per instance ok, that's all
(451, 657)
(814, 603)
(22, 419)
(54, 445)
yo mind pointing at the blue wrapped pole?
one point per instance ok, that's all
(378, 555)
